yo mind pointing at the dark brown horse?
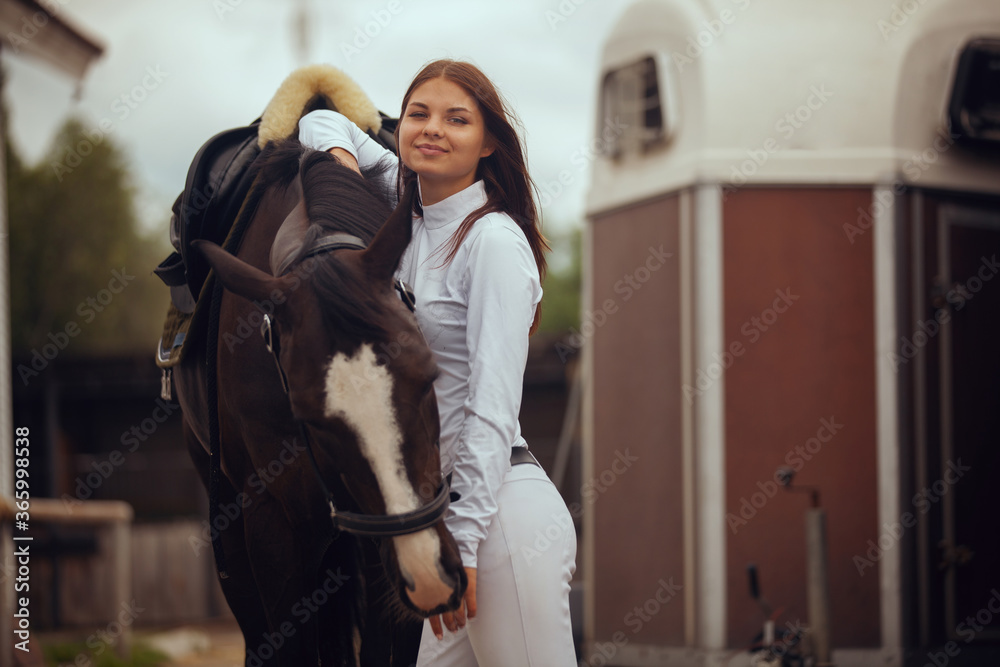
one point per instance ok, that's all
(355, 436)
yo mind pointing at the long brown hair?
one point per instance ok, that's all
(509, 188)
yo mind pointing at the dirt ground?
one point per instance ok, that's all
(216, 644)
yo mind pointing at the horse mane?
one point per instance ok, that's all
(337, 199)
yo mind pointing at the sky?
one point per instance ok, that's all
(175, 73)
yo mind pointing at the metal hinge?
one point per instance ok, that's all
(954, 556)
(165, 392)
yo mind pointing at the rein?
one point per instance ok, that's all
(369, 525)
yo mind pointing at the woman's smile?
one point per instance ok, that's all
(431, 149)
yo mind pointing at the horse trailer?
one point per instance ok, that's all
(790, 268)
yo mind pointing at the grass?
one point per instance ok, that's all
(78, 654)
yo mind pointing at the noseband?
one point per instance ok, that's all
(370, 525)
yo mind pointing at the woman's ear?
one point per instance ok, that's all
(489, 145)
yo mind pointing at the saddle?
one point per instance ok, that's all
(217, 182)
(220, 177)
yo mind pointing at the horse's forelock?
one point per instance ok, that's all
(337, 199)
(278, 163)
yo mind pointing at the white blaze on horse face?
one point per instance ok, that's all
(359, 391)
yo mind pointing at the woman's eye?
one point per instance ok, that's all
(416, 114)
(460, 121)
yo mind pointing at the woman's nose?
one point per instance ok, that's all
(433, 128)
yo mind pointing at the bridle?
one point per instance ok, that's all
(370, 525)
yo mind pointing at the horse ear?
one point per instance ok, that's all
(236, 275)
(386, 249)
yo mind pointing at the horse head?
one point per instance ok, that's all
(358, 372)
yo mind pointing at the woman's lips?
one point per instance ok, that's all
(428, 149)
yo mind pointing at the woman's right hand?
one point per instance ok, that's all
(456, 620)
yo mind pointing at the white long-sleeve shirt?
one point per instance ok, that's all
(475, 313)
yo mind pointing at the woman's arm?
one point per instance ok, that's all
(503, 289)
(331, 131)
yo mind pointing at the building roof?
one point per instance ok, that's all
(31, 29)
(847, 92)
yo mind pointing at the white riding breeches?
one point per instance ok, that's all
(525, 565)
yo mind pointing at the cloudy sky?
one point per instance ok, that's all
(218, 62)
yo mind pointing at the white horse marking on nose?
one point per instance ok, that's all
(359, 391)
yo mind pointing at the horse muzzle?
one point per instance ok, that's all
(430, 582)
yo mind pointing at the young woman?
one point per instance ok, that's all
(475, 264)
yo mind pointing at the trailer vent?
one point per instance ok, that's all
(974, 107)
(633, 113)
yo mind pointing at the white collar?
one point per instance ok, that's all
(456, 207)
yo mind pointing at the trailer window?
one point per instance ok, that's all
(632, 119)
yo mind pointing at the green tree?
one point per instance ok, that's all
(561, 298)
(80, 270)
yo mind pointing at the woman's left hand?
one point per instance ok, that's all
(453, 620)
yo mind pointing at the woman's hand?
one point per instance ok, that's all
(453, 620)
(345, 158)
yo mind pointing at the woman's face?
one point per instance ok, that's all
(442, 136)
